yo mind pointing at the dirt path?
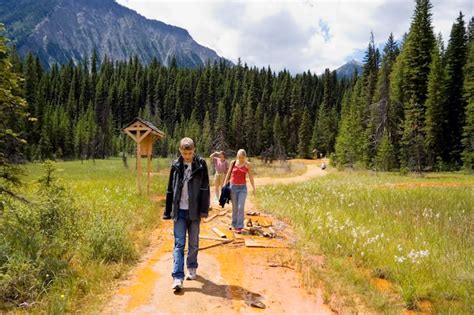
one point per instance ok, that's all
(230, 276)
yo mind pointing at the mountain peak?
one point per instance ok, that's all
(354, 62)
(349, 68)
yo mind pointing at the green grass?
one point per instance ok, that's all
(277, 168)
(417, 232)
(111, 220)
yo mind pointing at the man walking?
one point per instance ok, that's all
(187, 201)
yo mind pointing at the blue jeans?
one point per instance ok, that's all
(181, 225)
(238, 195)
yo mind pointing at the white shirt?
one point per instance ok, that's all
(183, 201)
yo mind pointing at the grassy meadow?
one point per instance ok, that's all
(63, 252)
(415, 233)
(277, 168)
(389, 242)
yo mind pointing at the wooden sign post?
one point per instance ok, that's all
(144, 134)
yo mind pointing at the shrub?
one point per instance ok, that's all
(108, 240)
(37, 240)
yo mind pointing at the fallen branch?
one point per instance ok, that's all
(281, 265)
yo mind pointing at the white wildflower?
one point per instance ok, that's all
(399, 259)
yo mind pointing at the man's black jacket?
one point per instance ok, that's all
(198, 189)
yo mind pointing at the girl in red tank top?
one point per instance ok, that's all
(237, 176)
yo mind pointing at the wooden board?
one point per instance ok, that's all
(223, 212)
(211, 238)
(263, 244)
(210, 218)
(218, 232)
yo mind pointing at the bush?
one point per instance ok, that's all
(37, 241)
(20, 279)
(108, 240)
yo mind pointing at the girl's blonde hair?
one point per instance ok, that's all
(241, 151)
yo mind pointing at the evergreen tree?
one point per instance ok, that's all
(236, 127)
(468, 130)
(221, 129)
(205, 143)
(369, 85)
(12, 117)
(419, 45)
(266, 133)
(384, 159)
(80, 137)
(456, 56)
(249, 127)
(295, 118)
(258, 129)
(91, 132)
(413, 139)
(434, 116)
(277, 133)
(417, 59)
(350, 140)
(193, 129)
(381, 118)
(304, 136)
(325, 128)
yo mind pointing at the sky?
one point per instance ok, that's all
(296, 35)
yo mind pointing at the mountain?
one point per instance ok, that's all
(347, 70)
(59, 30)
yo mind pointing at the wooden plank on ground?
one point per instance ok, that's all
(263, 244)
(272, 232)
(218, 232)
(221, 213)
(215, 245)
(210, 218)
(211, 238)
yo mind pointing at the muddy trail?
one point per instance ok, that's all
(236, 276)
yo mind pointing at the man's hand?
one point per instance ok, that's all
(166, 217)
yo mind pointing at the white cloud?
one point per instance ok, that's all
(296, 35)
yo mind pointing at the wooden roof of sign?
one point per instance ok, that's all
(139, 124)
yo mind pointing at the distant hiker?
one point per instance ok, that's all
(237, 176)
(323, 166)
(221, 165)
(187, 201)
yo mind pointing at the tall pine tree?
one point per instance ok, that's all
(468, 130)
(434, 116)
(456, 56)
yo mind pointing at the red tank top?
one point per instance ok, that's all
(238, 175)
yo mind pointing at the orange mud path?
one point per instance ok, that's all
(230, 276)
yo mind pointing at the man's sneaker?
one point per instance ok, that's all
(177, 284)
(191, 274)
